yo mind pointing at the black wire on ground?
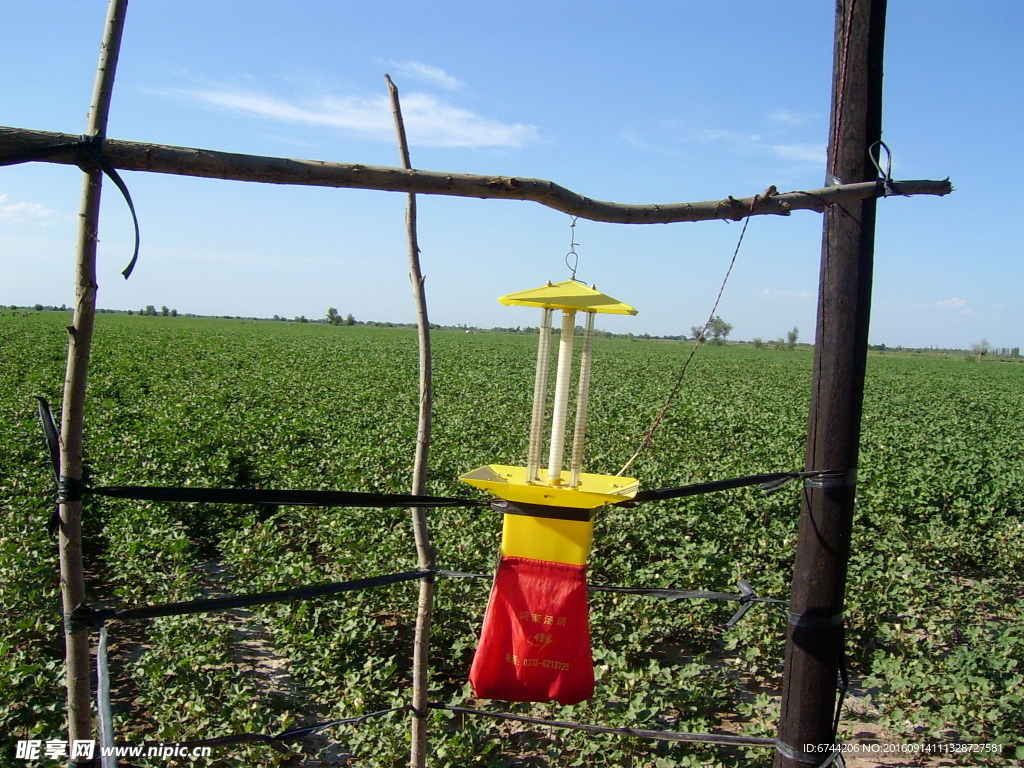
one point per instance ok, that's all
(294, 734)
(700, 738)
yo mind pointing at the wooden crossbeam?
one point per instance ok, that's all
(205, 163)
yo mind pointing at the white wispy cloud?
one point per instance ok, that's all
(27, 213)
(735, 140)
(429, 120)
(791, 119)
(801, 153)
(787, 294)
(672, 137)
(954, 303)
(427, 73)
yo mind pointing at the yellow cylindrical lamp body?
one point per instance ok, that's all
(561, 401)
(582, 395)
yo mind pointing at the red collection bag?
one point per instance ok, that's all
(535, 642)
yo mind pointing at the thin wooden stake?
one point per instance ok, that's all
(424, 549)
(814, 644)
(72, 578)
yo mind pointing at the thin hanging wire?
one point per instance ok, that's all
(693, 351)
(572, 259)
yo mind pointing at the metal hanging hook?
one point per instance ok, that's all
(575, 257)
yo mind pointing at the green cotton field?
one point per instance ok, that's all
(935, 612)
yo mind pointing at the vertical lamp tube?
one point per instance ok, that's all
(561, 404)
(540, 391)
(580, 425)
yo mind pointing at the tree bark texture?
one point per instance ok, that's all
(72, 416)
(421, 531)
(184, 161)
(814, 648)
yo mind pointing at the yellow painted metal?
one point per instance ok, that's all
(510, 483)
(570, 296)
(544, 538)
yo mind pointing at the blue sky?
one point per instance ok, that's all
(637, 102)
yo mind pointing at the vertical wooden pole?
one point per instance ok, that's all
(814, 647)
(425, 551)
(80, 332)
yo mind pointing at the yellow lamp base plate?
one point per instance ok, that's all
(510, 483)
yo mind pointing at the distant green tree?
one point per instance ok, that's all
(981, 349)
(349, 319)
(164, 311)
(719, 329)
(333, 317)
(174, 313)
(150, 310)
(37, 307)
(791, 337)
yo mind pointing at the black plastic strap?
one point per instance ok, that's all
(746, 598)
(769, 482)
(90, 155)
(668, 594)
(262, 598)
(50, 432)
(70, 489)
(277, 741)
(833, 479)
(812, 620)
(460, 574)
(52, 436)
(278, 497)
(543, 510)
(298, 733)
(84, 616)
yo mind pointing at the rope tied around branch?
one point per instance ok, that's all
(696, 344)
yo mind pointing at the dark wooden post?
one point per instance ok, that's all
(814, 647)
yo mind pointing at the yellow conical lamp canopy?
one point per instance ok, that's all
(569, 296)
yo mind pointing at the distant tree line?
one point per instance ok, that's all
(717, 330)
(151, 311)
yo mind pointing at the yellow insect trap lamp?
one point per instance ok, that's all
(535, 642)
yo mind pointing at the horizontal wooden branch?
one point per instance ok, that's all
(184, 161)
